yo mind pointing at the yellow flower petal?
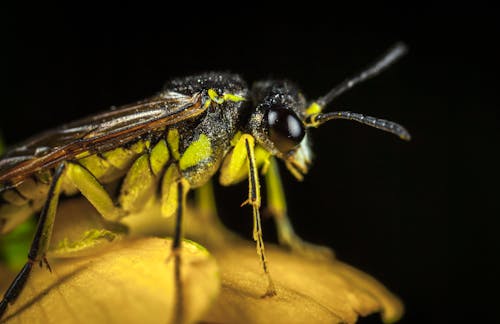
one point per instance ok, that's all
(131, 283)
(308, 291)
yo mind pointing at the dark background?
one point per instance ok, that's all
(381, 203)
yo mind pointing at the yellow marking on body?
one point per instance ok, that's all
(233, 97)
(199, 150)
(82, 155)
(138, 185)
(140, 146)
(314, 108)
(236, 138)
(173, 142)
(214, 97)
(233, 168)
(169, 191)
(170, 199)
(207, 103)
(159, 157)
(120, 157)
(96, 165)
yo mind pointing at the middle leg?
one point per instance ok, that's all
(276, 204)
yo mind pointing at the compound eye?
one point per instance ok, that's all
(285, 129)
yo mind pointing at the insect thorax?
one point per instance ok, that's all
(209, 137)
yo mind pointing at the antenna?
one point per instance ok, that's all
(386, 60)
(379, 123)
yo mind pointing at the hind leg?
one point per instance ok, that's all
(40, 243)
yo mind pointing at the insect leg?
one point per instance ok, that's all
(254, 199)
(138, 186)
(92, 189)
(182, 190)
(176, 245)
(40, 243)
(205, 200)
(276, 204)
(141, 180)
(174, 193)
(212, 231)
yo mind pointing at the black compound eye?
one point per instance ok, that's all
(286, 130)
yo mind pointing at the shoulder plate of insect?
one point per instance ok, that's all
(169, 144)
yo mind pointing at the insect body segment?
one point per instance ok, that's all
(163, 147)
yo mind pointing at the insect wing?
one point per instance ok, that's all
(97, 133)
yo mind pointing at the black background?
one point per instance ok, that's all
(381, 203)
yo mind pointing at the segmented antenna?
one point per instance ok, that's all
(386, 60)
(379, 123)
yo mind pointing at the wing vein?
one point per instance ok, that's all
(96, 134)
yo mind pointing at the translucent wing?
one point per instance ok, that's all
(97, 133)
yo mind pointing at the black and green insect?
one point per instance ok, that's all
(164, 146)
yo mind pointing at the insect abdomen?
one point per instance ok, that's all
(20, 202)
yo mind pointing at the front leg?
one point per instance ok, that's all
(244, 150)
(276, 204)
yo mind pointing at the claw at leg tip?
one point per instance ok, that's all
(271, 290)
(269, 293)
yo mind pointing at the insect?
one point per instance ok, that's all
(169, 144)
